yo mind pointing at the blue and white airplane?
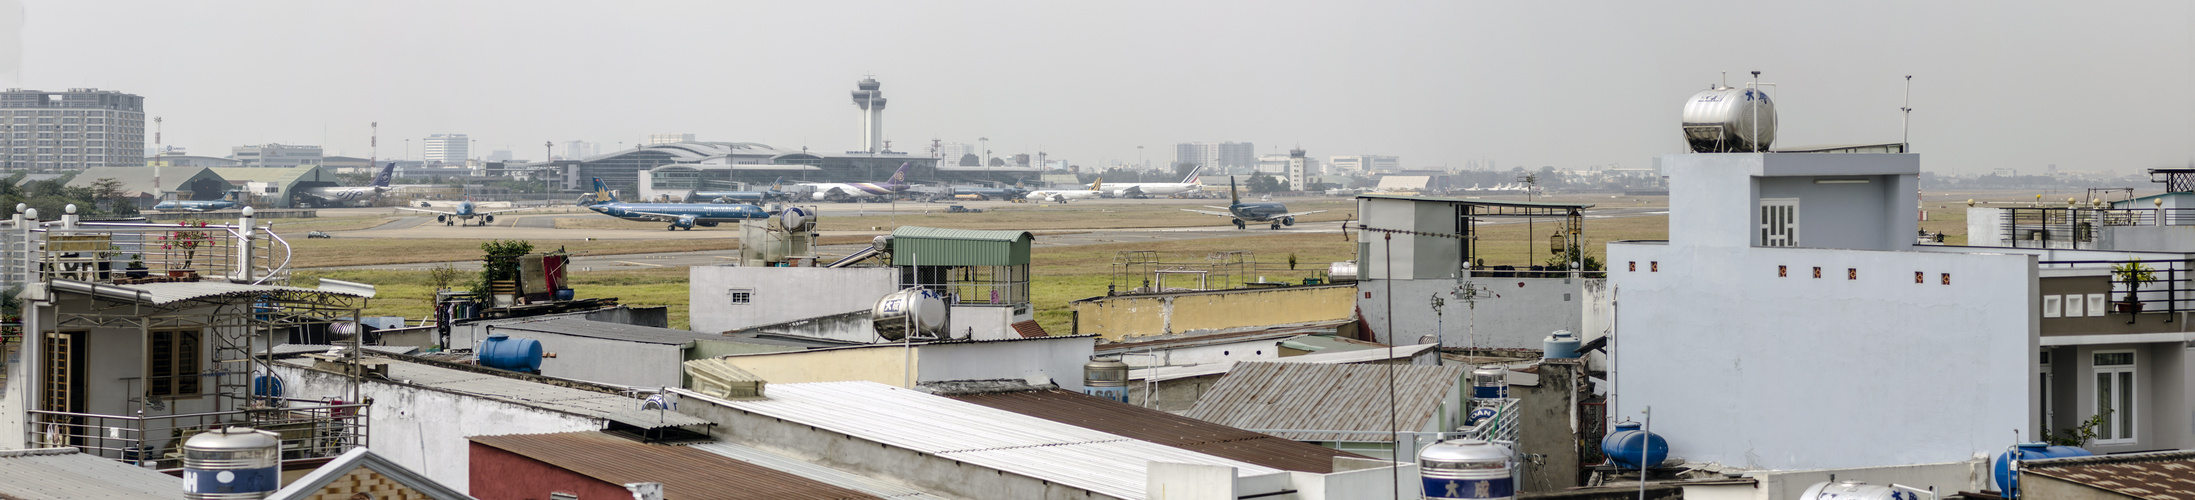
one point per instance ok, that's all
(679, 215)
(466, 211)
(194, 205)
(739, 196)
(344, 196)
(1245, 213)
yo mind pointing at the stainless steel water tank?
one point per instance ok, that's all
(232, 463)
(1723, 120)
(1467, 469)
(1106, 378)
(1852, 490)
(918, 311)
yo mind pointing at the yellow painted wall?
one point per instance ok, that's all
(1116, 318)
(875, 364)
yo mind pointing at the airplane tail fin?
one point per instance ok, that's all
(899, 177)
(382, 180)
(1192, 179)
(1098, 185)
(602, 191)
(1231, 194)
(778, 185)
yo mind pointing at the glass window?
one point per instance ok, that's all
(2115, 397)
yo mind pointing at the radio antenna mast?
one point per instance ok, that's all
(1905, 132)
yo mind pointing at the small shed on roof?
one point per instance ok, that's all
(930, 246)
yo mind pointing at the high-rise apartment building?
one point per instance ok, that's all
(448, 149)
(1217, 156)
(579, 150)
(73, 130)
(669, 138)
(275, 155)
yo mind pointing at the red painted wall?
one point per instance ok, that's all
(502, 475)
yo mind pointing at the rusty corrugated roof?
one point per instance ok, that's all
(2167, 474)
(685, 473)
(1331, 397)
(1030, 329)
(1160, 427)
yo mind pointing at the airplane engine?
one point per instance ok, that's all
(1288, 221)
(487, 219)
(707, 224)
(822, 196)
(441, 218)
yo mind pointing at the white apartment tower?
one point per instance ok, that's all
(1217, 156)
(871, 102)
(73, 130)
(448, 149)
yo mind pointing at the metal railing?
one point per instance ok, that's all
(1501, 428)
(2170, 290)
(133, 252)
(316, 431)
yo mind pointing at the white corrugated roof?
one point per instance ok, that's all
(63, 473)
(1165, 373)
(814, 472)
(611, 407)
(1101, 462)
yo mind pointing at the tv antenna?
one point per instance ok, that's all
(1905, 132)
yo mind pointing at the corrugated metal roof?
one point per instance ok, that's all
(65, 474)
(929, 246)
(288, 349)
(281, 176)
(140, 179)
(1165, 373)
(1475, 201)
(1160, 427)
(612, 407)
(1339, 397)
(1101, 462)
(818, 473)
(582, 327)
(2161, 475)
(686, 473)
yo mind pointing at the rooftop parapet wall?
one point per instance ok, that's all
(1857, 201)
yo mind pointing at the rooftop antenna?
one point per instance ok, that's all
(1905, 132)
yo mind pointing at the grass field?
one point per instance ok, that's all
(368, 251)
(409, 294)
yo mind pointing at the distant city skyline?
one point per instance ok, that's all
(1995, 84)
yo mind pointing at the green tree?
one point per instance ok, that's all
(499, 262)
(1261, 183)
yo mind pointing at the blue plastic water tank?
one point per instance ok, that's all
(564, 294)
(2010, 484)
(1561, 345)
(267, 386)
(1631, 448)
(503, 352)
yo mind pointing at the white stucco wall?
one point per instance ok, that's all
(425, 430)
(1266, 349)
(782, 293)
(1748, 369)
(1714, 199)
(1513, 317)
(1058, 359)
(604, 360)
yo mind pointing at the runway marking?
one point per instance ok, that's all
(637, 263)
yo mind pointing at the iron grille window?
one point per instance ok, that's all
(173, 364)
(743, 295)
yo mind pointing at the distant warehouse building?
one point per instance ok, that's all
(277, 187)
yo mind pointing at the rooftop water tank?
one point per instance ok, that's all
(1467, 469)
(503, 352)
(796, 219)
(1729, 120)
(1105, 378)
(232, 463)
(1490, 382)
(2001, 471)
(1851, 490)
(1342, 272)
(918, 310)
(1631, 448)
(1561, 345)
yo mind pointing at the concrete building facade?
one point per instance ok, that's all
(447, 149)
(275, 155)
(73, 130)
(1219, 156)
(1364, 164)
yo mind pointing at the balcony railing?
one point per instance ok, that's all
(312, 431)
(2170, 291)
(127, 252)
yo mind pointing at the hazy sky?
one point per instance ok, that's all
(1531, 83)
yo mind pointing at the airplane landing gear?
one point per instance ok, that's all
(1241, 225)
(1276, 226)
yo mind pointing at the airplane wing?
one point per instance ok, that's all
(426, 210)
(1298, 213)
(1209, 206)
(500, 211)
(1208, 212)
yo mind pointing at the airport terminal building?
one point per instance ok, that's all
(732, 165)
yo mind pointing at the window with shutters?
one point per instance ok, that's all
(1779, 222)
(172, 366)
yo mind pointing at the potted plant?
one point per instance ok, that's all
(188, 241)
(136, 267)
(2134, 274)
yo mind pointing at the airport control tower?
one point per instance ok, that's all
(871, 102)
